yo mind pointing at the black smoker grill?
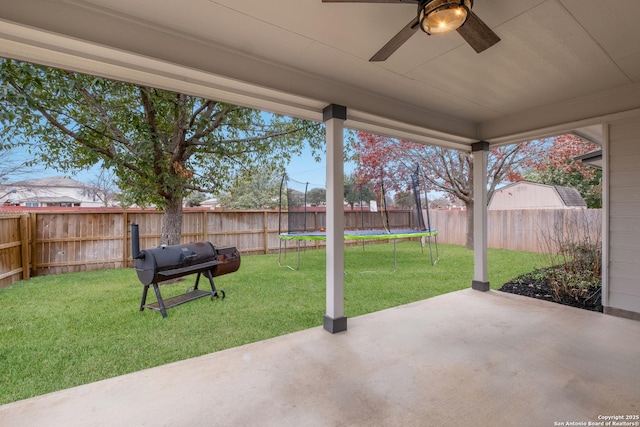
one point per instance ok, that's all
(169, 262)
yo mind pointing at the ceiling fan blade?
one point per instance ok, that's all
(477, 33)
(397, 41)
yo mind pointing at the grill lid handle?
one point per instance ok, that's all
(188, 256)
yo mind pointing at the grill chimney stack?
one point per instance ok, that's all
(135, 243)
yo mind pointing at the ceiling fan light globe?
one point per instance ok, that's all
(443, 16)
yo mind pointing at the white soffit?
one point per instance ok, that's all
(591, 133)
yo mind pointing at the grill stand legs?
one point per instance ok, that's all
(162, 305)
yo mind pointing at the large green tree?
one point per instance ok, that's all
(161, 145)
(357, 191)
(317, 196)
(258, 189)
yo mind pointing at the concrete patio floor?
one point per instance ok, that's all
(465, 359)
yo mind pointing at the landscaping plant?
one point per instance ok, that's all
(574, 252)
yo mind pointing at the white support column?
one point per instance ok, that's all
(604, 273)
(334, 117)
(480, 239)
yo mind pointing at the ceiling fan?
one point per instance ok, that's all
(437, 17)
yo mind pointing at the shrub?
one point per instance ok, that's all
(575, 251)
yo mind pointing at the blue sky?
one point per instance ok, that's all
(302, 168)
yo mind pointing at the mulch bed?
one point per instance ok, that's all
(535, 285)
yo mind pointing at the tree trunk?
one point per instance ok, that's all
(469, 243)
(171, 228)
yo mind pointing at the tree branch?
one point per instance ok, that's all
(103, 116)
(158, 155)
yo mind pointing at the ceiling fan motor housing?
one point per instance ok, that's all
(443, 16)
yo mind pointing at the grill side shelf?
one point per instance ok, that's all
(183, 271)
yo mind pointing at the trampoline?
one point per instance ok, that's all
(299, 203)
(360, 234)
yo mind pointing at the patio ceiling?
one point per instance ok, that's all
(561, 64)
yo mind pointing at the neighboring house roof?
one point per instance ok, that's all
(61, 199)
(213, 202)
(533, 195)
(594, 158)
(50, 191)
(56, 181)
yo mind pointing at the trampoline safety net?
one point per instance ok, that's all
(304, 206)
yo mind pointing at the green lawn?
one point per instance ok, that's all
(61, 331)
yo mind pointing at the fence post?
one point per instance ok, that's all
(24, 242)
(125, 231)
(315, 228)
(34, 243)
(205, 218)
(266, 232)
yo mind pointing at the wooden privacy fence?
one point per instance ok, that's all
(14, 248)
(61, 241)
(53, 242)
(528, 230)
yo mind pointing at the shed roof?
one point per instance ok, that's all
(570, 196)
